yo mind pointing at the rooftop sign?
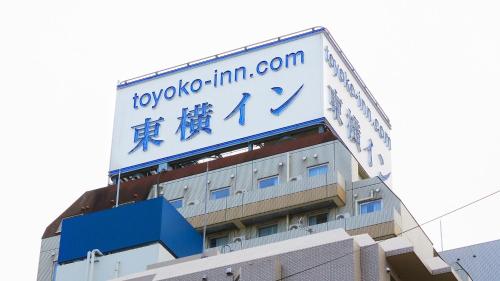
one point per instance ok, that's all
(246, 95)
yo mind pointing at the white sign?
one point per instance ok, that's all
(354, 118)
(259, 92)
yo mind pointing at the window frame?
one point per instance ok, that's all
(213, 191)
(317, 166)
(181, 199)
(267, 226)
(218, 237)
(267, 178)
(316, 215)
(361, 203)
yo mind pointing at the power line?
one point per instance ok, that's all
(410, 229)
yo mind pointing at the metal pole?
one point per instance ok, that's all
(441, 232)
(118, 188)
(205, 215)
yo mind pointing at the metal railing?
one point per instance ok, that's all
(350, 223)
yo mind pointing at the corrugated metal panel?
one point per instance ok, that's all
(268, 167)
(222, 178)
(324, 153)
(49, 251)
(370, 219)
(50, 243)
(244, 176)
(45, 266)
(377, 225)
(481, 261)
(259, 195)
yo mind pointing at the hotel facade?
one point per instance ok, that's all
(268, 162)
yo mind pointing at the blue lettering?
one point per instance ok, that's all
(341, 75)
(381, 132)
(259, 69)
(387, 141)
(280, 62)
(368, 114)
(237, 70)
(182, 87)
(227, 73)
(141, 101)
(135, 100)
(196, 89)
(375, 124)
(156, 98)
(351, 90)
(331, 61)
(215, 78)
(294, 57)
(171, 89)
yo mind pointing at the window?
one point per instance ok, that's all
(268, 230)
(370, 206)
(267, 182)
(218, 241)
(318, 219)
(219, 193)
(176, 203)
(318, 170)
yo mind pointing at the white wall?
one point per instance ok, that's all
(131, 261)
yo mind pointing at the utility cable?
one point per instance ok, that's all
(410, 229)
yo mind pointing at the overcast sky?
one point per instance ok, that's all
(432, 65)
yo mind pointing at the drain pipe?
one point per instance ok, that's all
(92, 262)
(87, 263)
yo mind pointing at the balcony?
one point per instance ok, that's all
(248, 207)
(379, 225)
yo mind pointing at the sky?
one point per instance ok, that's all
(432, 65)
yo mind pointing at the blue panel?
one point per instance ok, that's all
(127, 227)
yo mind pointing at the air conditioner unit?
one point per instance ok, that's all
(342, 216)
(194, 202)
(238, 239)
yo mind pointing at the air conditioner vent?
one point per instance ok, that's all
(342, 216)
(238, 239)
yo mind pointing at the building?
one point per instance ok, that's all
(275, 166)
(479, 261)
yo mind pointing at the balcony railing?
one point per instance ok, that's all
(378, 219)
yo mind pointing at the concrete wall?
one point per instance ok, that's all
(410, 230)
(328, 256)
(115, 265)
